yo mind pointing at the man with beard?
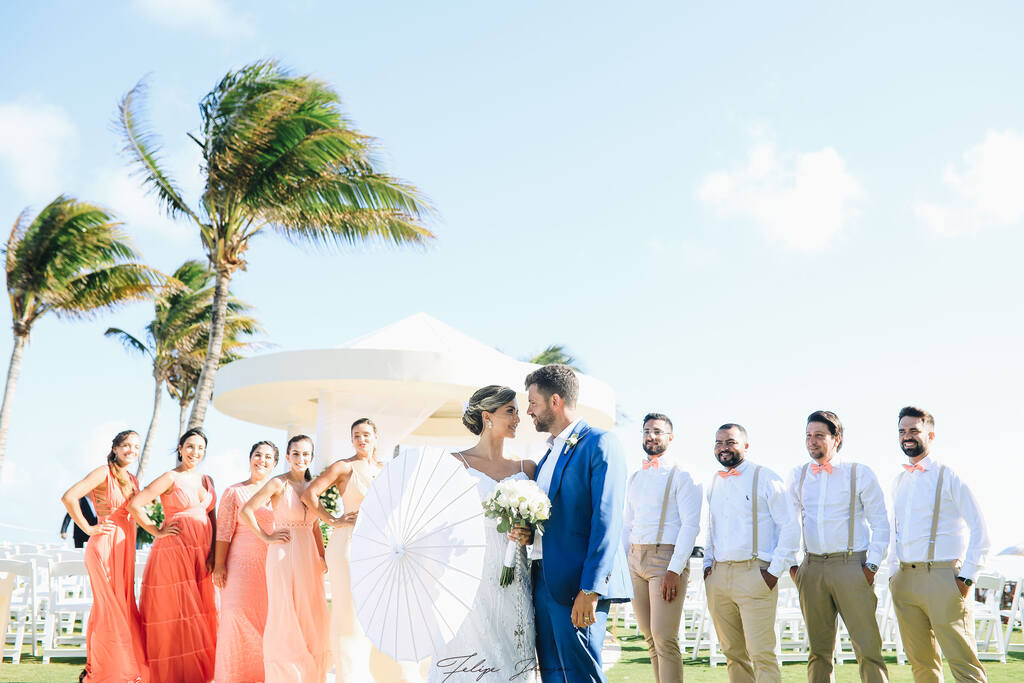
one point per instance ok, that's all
(659, 528)
(846, 536)
(753, 534)
(580, 568)
(941, 542)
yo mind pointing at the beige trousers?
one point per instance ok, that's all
(658, 620)
(743, 610)
(932, 614)
(832, 585)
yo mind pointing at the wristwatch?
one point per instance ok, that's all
(872, 567)
(967, 582)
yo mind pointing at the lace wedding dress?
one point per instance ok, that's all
(496, 642)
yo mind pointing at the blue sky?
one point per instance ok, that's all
(727, 212)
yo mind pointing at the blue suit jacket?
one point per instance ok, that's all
(583, 536)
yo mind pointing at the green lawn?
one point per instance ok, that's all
(634, 666)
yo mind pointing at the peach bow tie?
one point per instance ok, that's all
(648, 464)
(915, 466)
(816, 468)
(728, 473)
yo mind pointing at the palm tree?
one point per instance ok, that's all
(71, 260)
(554, 354)
(184, 379)
(278, 154)
(181, 322)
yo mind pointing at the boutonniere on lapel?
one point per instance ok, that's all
(571, 442)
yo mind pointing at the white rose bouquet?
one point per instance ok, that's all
(515, 502)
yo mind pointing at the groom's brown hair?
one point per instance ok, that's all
(556, 379)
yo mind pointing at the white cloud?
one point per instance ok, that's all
(213, 17)
(985, 190)
(36, 141)
(802, 200)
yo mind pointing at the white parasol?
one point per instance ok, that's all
(417, 553)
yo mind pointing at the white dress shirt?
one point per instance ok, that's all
(731, 530)
(544, 474)
(645, 494)
(826, 510)
(913, 495)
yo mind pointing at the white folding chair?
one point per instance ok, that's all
(987, 618)
(70, 601)
(18, 595)
(40, 562)
(791, 642)
(1014, 616)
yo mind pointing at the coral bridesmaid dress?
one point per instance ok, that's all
(243, 602)
(113, 638)
(179, 615)
(296, 641)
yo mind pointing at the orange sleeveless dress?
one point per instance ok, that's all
(179, 613)
(113, 638)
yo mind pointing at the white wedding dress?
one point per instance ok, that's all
(499, 632)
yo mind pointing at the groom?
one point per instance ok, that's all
(580, 568)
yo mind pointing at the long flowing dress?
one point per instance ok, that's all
(500, 627)
(296, 641)
(179, 613)
(113, 640)
(243, 601)
(356, 660)
(351, 646)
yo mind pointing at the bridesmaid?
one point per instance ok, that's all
(240, 572)
(179, 615)
(113, 638)
(296, 641)
(352, 476)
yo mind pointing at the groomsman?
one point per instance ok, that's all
(659, 528)
(940, 543)
(753, 535)
(579, 568)
(846, 536)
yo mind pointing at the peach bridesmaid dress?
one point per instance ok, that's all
(296, 641)
(114, 645)
(179, 614)
(243, 602)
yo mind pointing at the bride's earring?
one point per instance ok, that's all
(489, 425)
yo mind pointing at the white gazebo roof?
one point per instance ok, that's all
(412, 377)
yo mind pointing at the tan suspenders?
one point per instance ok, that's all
(853, 505)
(664, 505)
(664, 502)
(753, 510)
(935, 512)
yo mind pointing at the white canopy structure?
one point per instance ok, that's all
(411, 377)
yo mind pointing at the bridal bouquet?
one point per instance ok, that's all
(516, 501)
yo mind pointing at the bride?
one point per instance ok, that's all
(498, 634)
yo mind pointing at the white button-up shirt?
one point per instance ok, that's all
(731, 529)
(544, 474)
(961, 535)
(645, 495)
(826, 510)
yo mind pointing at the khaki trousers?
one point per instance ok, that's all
(743, 610)
(832, 585)
(932, 614)
(658, 620)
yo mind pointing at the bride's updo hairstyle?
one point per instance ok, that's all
(487, 399)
